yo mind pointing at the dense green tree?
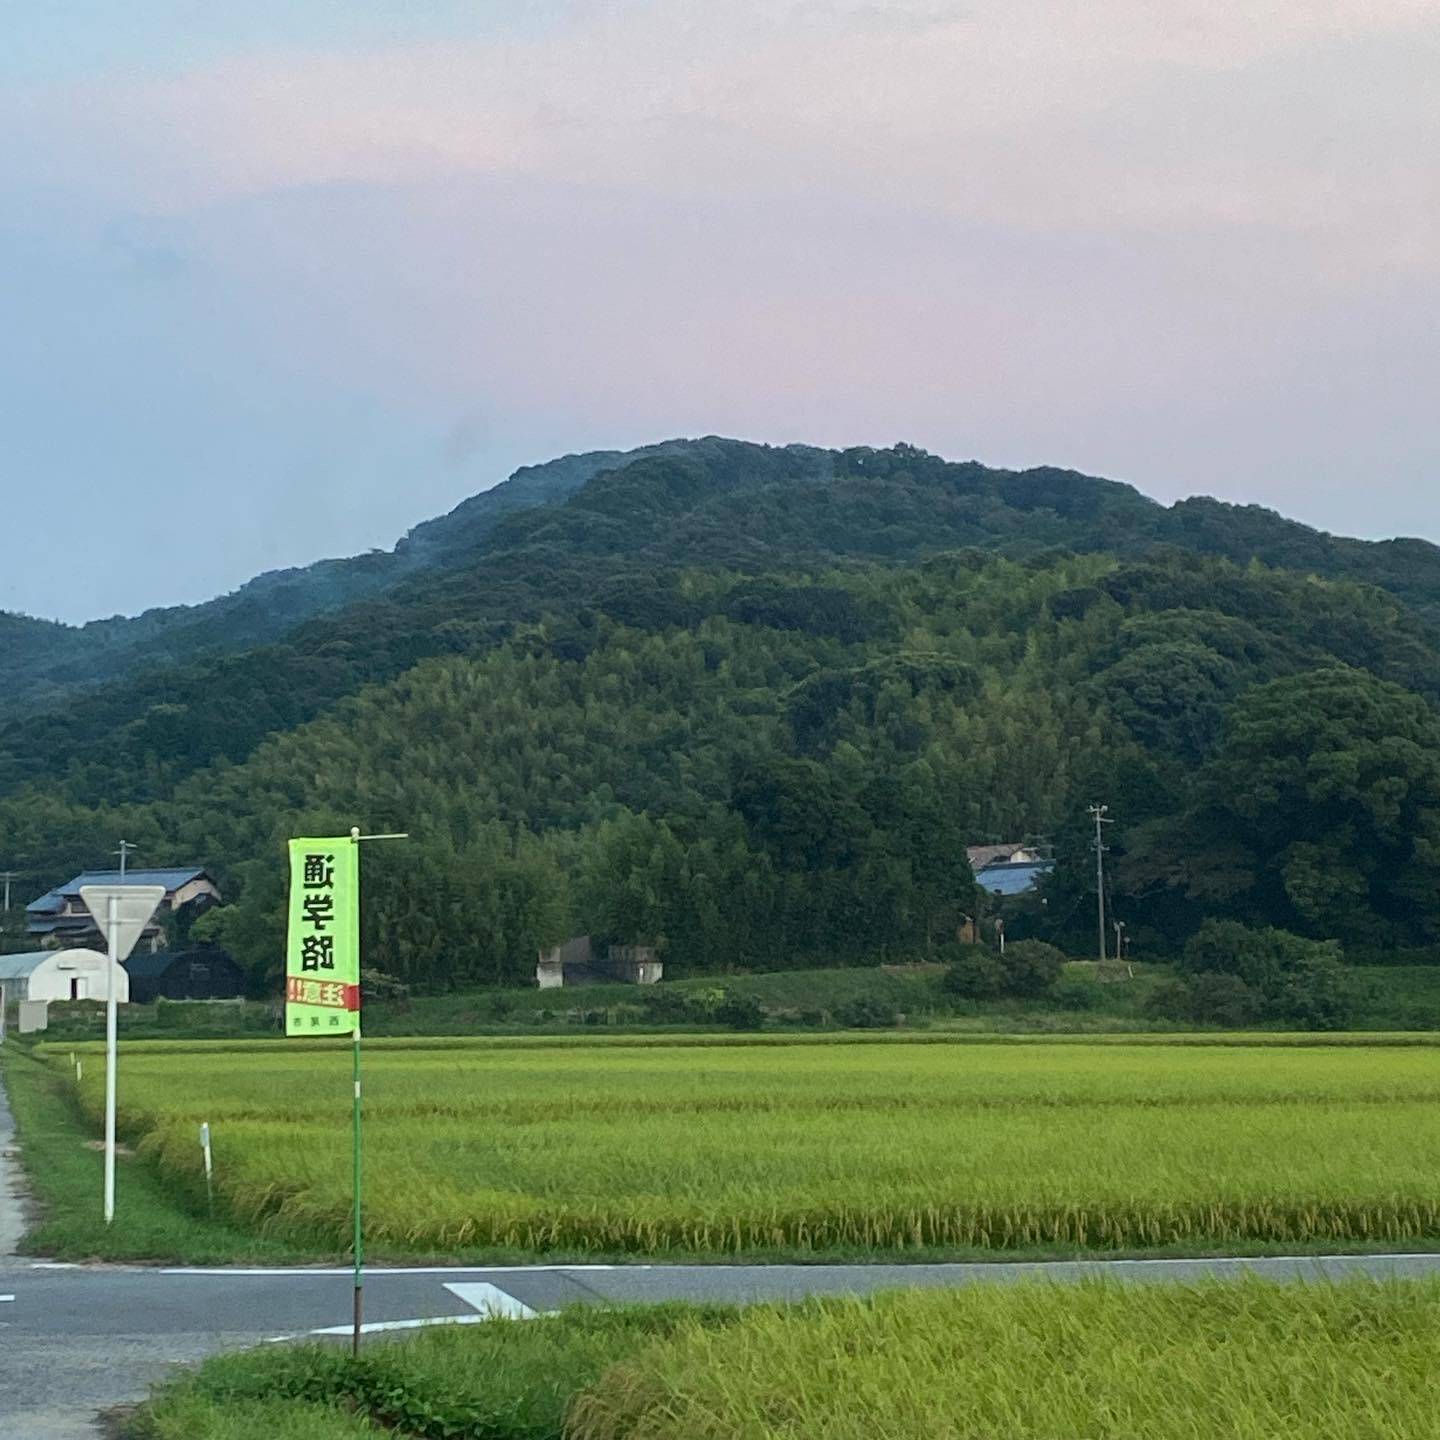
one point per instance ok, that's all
(1320, 812)
(1237, 973)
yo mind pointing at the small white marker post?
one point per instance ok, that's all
(209, 1167)
(126, 910)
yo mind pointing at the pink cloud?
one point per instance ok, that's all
(1103, 116)
(1107, 233)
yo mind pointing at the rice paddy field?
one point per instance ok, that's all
(1246, 1362)
(806, 1149)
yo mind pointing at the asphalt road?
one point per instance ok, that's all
(75, 1340)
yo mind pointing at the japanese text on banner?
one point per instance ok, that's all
(322, 960)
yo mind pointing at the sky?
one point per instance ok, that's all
(282, 279)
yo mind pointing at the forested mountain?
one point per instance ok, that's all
(41, 661)
(751, 704)
(572, 531)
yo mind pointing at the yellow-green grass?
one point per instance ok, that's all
(727, 1149)
(1244, 1361)
(1239, 1360)
(666, 1148)
(507, 1380)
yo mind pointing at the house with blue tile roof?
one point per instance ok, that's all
(1009, 870)
(59, 919)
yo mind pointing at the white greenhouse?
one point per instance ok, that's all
(59, 975)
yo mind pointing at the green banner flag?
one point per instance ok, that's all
(322, 957)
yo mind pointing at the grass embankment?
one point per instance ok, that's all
(1241, 1360)
(904, 996)
(1390, 997)
(921, 1147)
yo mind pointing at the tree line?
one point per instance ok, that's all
(774, 768)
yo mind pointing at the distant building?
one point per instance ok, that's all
(1008, 870)
(983, 856)
(634, 964)
(576, 963)
(204, 974)
(60, 919)
(59, 975)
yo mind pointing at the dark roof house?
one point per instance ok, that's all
(60, 917)
(207, 973)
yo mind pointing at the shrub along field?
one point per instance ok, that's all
(904, 997)
(802, 1148)
(1240, 1360)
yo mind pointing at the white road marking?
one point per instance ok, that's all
(491, 1301)
(302, 1271)
(376, 1326)
(5, 1299)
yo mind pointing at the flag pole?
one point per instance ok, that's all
(359, 1234)
(359, 1242)
(359, 1229)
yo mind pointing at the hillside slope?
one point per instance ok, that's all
(581, 529)
(42, 661)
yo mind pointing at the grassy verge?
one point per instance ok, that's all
(65, 1175)
(911, 996)
(1243, 1360)
(506, 1380)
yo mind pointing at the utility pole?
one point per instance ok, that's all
(1097, 812)
(7, 876)
(123, 852)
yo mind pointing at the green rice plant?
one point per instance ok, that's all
(677, 1150)
(1235, 1361)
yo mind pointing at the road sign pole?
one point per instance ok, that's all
(112, 946)
(124, 911)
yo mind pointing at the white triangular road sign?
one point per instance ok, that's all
(134, 905)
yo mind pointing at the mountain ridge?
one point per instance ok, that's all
(54, 657)
(581, 526)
